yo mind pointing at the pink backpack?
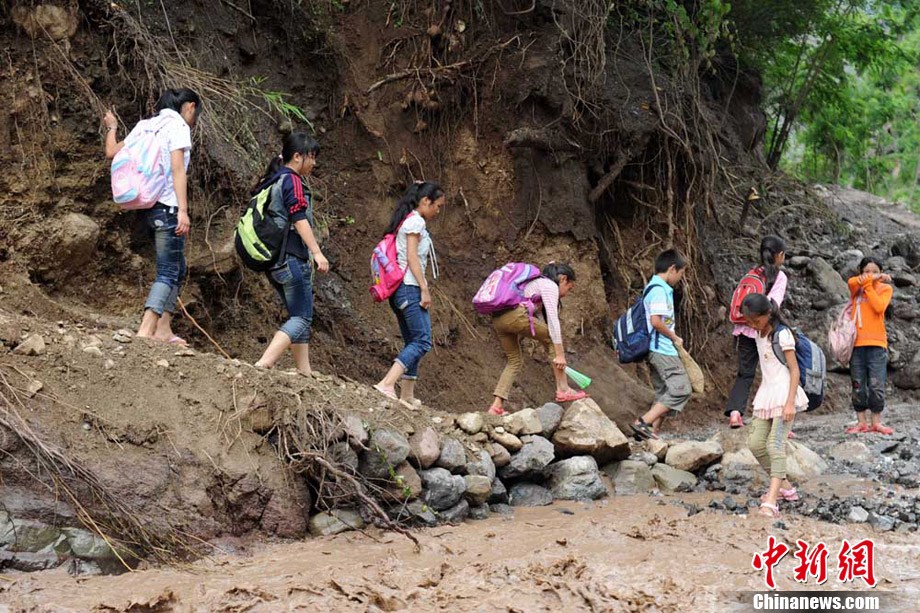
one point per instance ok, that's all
(385, 270)
(842, 335)
(504, 288)
(138, 173)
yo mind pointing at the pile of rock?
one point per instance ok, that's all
(531, 458)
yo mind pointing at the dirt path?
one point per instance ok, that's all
(623, 553)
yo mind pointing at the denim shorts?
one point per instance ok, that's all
(293, 280)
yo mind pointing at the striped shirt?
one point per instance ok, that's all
(547, 292)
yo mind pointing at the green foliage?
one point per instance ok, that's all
(278, 101)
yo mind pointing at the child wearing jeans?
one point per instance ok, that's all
(777, 399)
(672, 385)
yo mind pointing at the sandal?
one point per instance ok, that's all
(496, 411)
(569, 396)
(857, 429)
(790, 495)
(769, 510)
(389, 394)
(882, 429)
(642, 430)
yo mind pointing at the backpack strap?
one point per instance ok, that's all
(777, 348)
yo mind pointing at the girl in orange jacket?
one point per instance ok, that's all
(869, 364)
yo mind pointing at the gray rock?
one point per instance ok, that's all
(740, 465)
(500, 456)
(442, 489)
(903, 279)
(335, 522)
(646, 457)
(456, 513)
(854, 452)
(480, 512)
(798, 262)
(533, 457)
(858, 515)
(386, 449)
(586, 430)
(550, 415)
(575, 478)
(422, 512)
(453, 455)
(32, 346)
(693, 455)
(530, 495)
(908, 378)
(342, 454)
(483, 465)
(478, 489)
(85, 544)
(499, 493)
(425, 448)
(506, 440)
(24, 535)
(501, 509)
(523, 423)
(905, 311)
(670, 479)
(882, 523)
(471, 423)
(847, 262)
(630, 477)
(896, 263)
(828, 280)
(802, 463)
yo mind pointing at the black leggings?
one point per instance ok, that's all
(747, 368)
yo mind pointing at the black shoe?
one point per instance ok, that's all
(643, 431)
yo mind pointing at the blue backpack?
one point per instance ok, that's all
(812, 365)
(631, 337)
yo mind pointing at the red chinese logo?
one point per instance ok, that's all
(812, 562)
(770, 558)
(857, 561)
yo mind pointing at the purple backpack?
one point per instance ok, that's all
(504, 288)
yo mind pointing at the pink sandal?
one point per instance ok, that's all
(570, 396)
(769, 510)
(496, 411)
(790, 495)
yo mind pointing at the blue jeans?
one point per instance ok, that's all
(869, 372)
(170, 249)
(293, 279)
(414, 325)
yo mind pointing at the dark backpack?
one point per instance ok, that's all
(262, 233)
(812, 365)
(631, 337)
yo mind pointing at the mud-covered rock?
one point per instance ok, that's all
(576, 478)
(34, 345)
(693, 455)
(740, 465)
(853, 452)
(586, 430)
(335, 522)
(386, 449)
(286, 516)
(526, 494)
(802, 463)
(46, 20)
(480, 512)
(534, 456)
(478, 489)
(670, 479)
(630, 477)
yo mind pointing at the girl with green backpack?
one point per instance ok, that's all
(292, 276)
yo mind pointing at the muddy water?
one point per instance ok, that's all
(625, 553)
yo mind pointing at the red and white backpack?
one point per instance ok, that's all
(754, 282)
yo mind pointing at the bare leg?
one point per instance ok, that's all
(772, 493)
(654, 414)
(497, 403)
(164, 330)
(301, 353)
(562, 382)
(279, 343)
(387, 385)
(149, 323)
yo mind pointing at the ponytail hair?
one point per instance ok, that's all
(410, 201)
(294, 142)
(553, 271)
(173, 99)
(757, 305)
(770, 247)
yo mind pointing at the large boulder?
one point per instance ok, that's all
(453, 455)
(670, 479)
(550, 415)
(335, 521)
(74, 244)
(471, 423)
(45, 19)
(828, 280)
(442, 489)
(523, 423)
(585, 430)
(424, 448)
(526, 494)
(387, 449)
(853, 452)
(847, 262)
(575, 479)
(693, 455)
(630, 477)
(534, 456)
(740, 465)
(908, 378)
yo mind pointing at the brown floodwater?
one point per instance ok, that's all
(621, 554)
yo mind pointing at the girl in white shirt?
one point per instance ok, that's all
(168, 220)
